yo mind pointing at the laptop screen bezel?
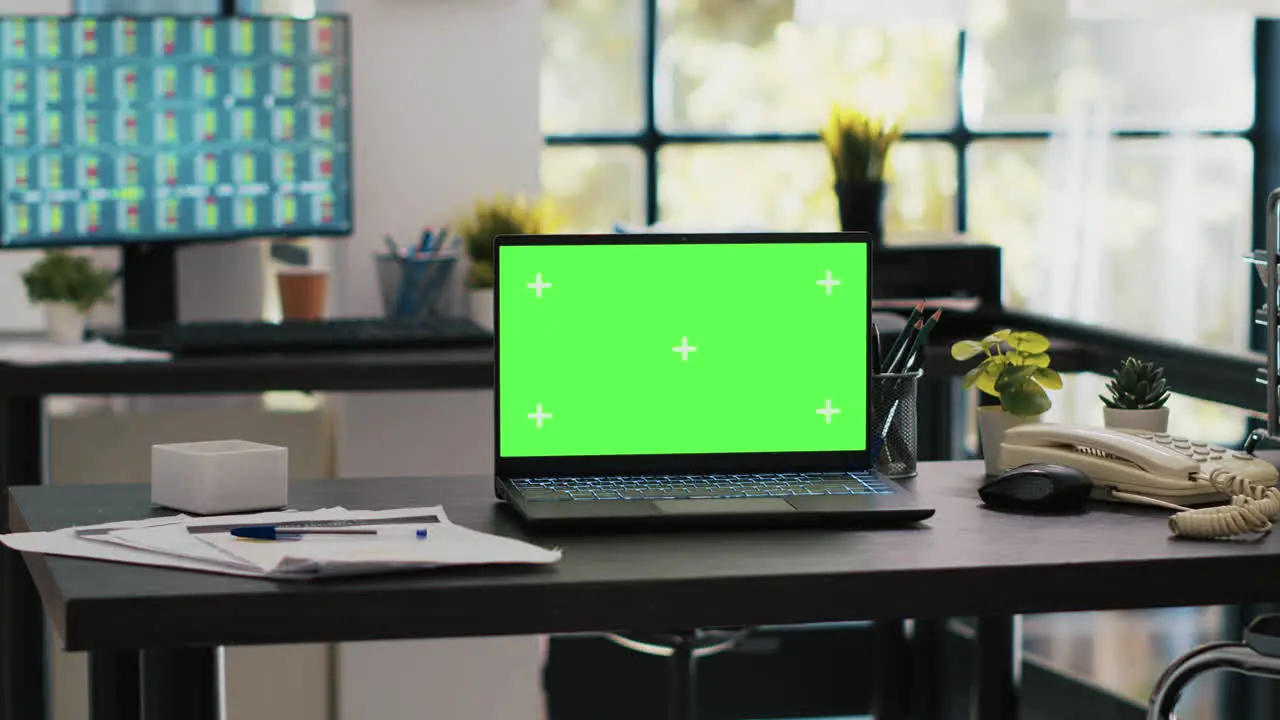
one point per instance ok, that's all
(682, 463)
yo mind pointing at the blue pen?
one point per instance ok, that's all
(428, 241)
(408, 284)
(272, 532)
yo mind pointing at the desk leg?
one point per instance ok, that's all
(115, 686)
(999, 655)
(891, 683)
(684, 679)
(23, 691)
(926, 669)
(180, 684)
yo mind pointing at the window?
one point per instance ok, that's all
(1113, 166)
(1111, 161)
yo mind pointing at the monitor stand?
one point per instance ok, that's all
(150, 287)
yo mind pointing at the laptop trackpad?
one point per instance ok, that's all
(723, 505)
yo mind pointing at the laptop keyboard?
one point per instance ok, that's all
(676, 487)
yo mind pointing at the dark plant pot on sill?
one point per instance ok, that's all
(862, 208)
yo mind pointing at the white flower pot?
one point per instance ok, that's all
(993, 421)
(64, 323)
(1156, 420)
(480, 304)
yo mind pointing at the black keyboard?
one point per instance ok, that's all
(228, 338)
(675, 487)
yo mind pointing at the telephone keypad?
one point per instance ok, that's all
(1197, 450)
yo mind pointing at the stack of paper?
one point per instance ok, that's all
(44, 352)
(206, 544)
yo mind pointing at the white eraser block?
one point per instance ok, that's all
(220, 476)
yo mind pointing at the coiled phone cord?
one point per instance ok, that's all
(1251, 510)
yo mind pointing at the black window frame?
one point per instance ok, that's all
(650, 139)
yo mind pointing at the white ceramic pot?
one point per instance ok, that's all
(64, 323)
(1156, 420)
(993, 421)
(480, 303)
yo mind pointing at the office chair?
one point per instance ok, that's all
(1258, 655)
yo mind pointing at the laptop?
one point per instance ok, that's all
(687, 379)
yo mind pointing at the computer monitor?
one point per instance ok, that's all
(156, 129)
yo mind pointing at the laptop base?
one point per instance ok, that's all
(895, 508)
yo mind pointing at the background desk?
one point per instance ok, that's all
(966, 560)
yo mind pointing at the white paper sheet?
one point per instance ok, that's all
(41, 352)
(68, 544)
(205, 544)
(445, 544)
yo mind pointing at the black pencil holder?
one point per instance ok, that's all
(894, 421)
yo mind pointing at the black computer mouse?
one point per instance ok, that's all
(1038, 487)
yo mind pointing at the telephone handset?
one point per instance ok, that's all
(1158, 469)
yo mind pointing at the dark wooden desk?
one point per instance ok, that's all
(966, 560)
(24, 388)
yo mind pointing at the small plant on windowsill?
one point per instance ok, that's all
(68, 287)
(1136, 397)
(1015, 370)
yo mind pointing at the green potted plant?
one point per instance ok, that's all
(1136, 397)
(858, 144)
(1015, 370)
(486, 220)
(68, 286)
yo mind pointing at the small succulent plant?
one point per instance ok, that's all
(1136, 385)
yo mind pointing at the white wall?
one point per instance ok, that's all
(446, 111)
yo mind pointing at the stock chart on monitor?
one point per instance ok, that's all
(119, 129)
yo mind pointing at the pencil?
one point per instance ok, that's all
(898, 361)
(922, 342)
(898, 342)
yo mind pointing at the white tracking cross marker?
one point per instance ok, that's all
(539, 416)
(684, 348)
(828, 411)
(829, 283)
(538, 286)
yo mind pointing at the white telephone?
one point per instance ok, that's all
(1158, 469)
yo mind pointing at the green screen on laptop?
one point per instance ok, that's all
(641, 348)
